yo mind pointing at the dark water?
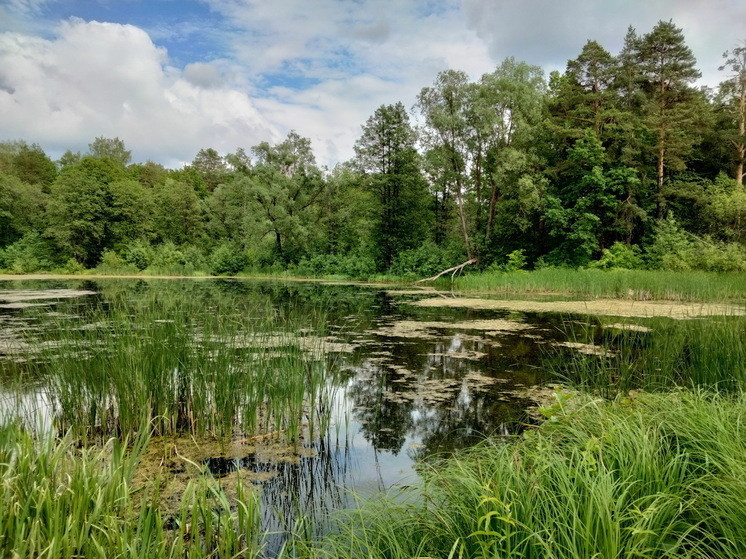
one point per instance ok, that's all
(414, 383)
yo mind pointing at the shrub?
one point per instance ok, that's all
(139, 254)
(228, 259)
(31, 253)
(619, 255)
(111, 262)
(423, 261)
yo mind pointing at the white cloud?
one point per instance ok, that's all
(107, 79)
(356, 56)
(548, 33)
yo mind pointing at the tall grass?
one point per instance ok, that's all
(59, 501)
(183, 368)
(663, 476)
(707, 352)
(636, 284)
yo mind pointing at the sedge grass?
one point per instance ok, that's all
(635, 284)
(707, 352)
(57, 500)
(182, 368)
(658, 476)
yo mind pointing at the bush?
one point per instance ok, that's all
(675, 249)
(228, 259)
(29, 254)
(515, 261)
(619, 256)
(354, 266)
(424, 261)
(112, 263)
(139, 254)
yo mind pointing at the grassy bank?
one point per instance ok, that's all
(634, 284)
(662, 475)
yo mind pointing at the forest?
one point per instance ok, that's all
(621, 161)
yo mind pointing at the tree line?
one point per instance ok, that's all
(619, 161)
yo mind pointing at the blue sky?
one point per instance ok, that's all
(170, 77)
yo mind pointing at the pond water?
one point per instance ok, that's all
(414, 381)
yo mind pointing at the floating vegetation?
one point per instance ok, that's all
(597, 307)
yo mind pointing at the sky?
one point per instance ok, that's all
(171, 77)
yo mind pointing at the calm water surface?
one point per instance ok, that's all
(413, 383)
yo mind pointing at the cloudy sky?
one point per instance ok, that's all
(170, 77)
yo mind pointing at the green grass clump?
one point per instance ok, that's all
(660, 476)
(57, 500)
(635, 284)
(707, 352)
(182, 368)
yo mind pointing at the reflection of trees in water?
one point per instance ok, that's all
(384, 422)
(307, 489)
(426, 390)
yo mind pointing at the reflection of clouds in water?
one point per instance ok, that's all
(32, 406)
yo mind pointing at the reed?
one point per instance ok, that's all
(57, 500)
(692, 353)
(635, 284)
(659, 476)
(182, 368)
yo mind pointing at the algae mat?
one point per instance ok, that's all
(598, 307)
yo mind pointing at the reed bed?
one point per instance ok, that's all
(179, 367)
(57, 500)
(708, 353)
(634, 284)
(662, 475)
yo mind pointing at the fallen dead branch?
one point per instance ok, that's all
(455, 270)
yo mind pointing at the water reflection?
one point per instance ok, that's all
(412, 382)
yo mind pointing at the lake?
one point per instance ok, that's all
(409, 375)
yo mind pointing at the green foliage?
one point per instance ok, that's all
(112, 263)
(169, 259)
(675, 249)
(139, 254)
(514, 262)
(228, 259)
(110, 148)
(31, 253)
(93, 207)
(421, 262)
(351, 265)
(619, 256)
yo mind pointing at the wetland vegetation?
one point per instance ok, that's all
(235, 417)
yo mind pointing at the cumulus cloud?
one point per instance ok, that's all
(109, 79)
(349, 57)
(548, 33)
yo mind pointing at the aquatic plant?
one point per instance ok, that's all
(229, 369)
(57, 500)
(626, 284)
(665, 353)
(660, 475)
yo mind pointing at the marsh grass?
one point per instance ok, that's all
(663, 475)
(182, 368)
(708, 352)
(634, 284)
(58, 500)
